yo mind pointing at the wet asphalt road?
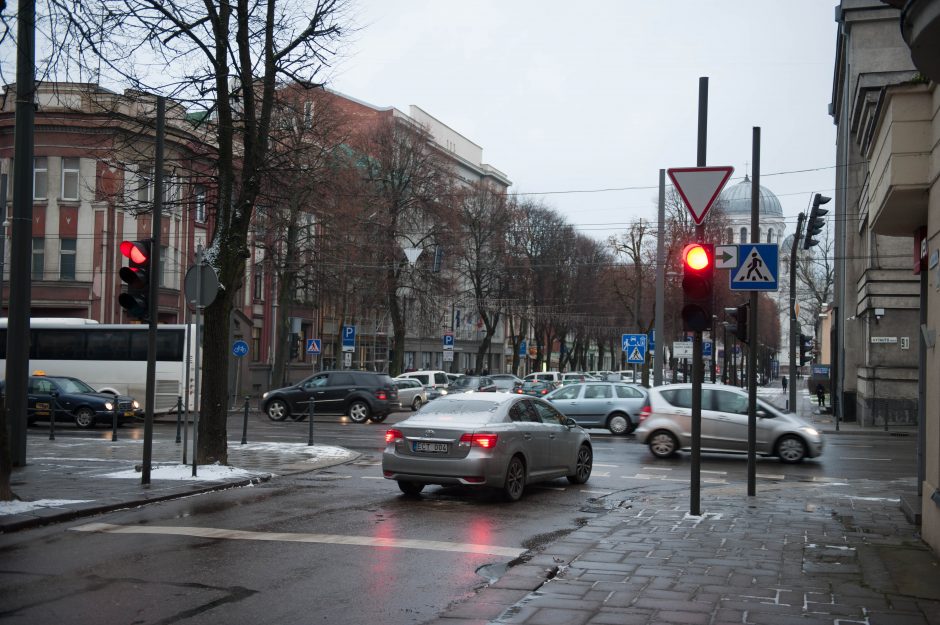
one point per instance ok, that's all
(280, 551)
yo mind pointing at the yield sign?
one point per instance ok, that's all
(699, 187)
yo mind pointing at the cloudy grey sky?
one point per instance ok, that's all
(566, 97)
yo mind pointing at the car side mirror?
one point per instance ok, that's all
(569, 422)
(761, 414)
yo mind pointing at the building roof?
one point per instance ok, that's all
(737, 200)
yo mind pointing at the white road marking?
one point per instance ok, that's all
(597, 492)
(598, 464)
(770, 477)
(867, 459)
(372, 477)
(334, 539)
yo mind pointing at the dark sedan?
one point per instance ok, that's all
(494, 440)
(361, 395)
(534, 388)
(471, 383)
(74, 400)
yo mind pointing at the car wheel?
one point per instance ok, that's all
(663, 444)
(378, 418)
(416, 404)
(515, 479)
(791, 449)
(410, 489)
(620, 423)
(583, 466)
(85, 418)
(277, 410)
(358, 411)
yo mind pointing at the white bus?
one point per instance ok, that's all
(112, 358)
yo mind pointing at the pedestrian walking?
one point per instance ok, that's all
(821, 395)
(783, 382)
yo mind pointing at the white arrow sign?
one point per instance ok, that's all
(699, 187)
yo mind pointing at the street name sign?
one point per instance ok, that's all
(699, 187)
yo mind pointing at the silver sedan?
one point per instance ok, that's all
(495, 440)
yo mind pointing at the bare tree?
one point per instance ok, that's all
(228, 59)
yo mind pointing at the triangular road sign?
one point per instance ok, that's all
(699, 187)
(635, 355)
(753, 268)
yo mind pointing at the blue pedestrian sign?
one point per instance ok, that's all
(635, 347)
(313, 346)
(349, 338)
(758, 268)
(240, 348)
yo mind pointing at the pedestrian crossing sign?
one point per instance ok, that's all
(635, 347)
(758, 268)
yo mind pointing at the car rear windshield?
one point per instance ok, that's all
(454, 406)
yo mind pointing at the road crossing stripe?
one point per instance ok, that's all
(334, 539)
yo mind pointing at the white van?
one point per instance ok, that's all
(435, 381)
(544, 376)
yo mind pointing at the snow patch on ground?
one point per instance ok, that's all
(20, 507)
(206, 472)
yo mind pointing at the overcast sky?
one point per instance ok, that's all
(569, 97)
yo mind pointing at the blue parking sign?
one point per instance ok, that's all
(349, 338)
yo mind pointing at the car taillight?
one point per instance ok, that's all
(381, 395)
(487, 441)
(393, 436)
(645, 412)
(544, 391)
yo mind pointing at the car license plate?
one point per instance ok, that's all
(434, 448)
(128, 413)
(42, 406)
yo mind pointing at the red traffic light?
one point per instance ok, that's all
(697, 256)
(137, 252)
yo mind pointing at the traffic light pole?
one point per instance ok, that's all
(752, 325)
(794, 335)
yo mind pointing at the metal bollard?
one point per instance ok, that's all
(179, 419)
(310, 427)
(114, 411)
(52, 410)
(245, 423)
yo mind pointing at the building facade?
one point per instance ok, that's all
(887, 110)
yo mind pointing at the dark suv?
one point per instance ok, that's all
(361, 395)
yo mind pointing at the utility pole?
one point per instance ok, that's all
(791, 400)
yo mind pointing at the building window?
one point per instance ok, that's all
(743, 235)
(66, 259)
(730, 238)
(308, 115)
(770, 236)
(39, 257)
(40, 177)
(145, 185)
(258, 283)
(758, 236)
(199, 202)
(255, 344)
(70, 178)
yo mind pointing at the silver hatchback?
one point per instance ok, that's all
(495, 440)
(666, 424)
(608, 405)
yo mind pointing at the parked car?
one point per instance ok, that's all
(574, 378)
(665, 425)
(411, 393)
(535, 388)
(453, 377)
(361, 395)
(494, 440)
(506, 382)
(75, 401)
(608, 405)
(545, 376)
(470, 383)
(432, 380)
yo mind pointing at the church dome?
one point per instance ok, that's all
(736, 201)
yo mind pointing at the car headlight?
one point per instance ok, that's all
(136, 405)
(264, 395)
(443, 391)
(108, 405)
(810, 431)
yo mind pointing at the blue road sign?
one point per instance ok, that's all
(313, 346)
(349, 338)
(758, 268)
(635, 346)
(522, 348)
(449, 340)
(653, 340)
(707, 349)
(240, 348)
